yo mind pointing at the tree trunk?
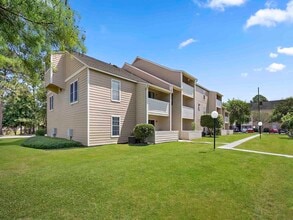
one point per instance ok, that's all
(1, 117)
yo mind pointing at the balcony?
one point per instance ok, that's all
(158, 107)
(187, 112)
(187, 90)
(218, 103)
(54, 81)
(226, 119)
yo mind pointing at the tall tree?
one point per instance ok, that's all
(239, 111)
(284, 107)
(261, 98)
(29, 31)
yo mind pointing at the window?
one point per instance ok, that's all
(198, 107)
(204, 97)
(116, 90)
(151, 95)
(73, 92)
(115, 126)
(51, 102)
(152, 122)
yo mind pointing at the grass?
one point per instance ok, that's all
(41, 142)
(221, 140)
(273, 143)
(164, 181)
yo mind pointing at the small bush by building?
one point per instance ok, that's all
(143, 131)
(41, 142)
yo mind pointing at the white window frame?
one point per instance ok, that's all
(119, 82)
(115, 116)
(73, 101)
(51, 102)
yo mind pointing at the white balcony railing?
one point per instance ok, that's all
(158, 107)
(218, 103)
(187, 90)
(226, 119)
(187, 112)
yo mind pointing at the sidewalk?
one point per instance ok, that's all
(16, 136)
(236, 143)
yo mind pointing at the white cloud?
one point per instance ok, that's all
(286, 50)
(259, 69)
(273, 55)
(271, 4)
(186, 43)
(271, 17)
(219, 4)
(275, 67)
(244, 75)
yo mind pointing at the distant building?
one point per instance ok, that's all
(266, 110)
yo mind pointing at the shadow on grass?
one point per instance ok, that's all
(286, 138)
(139, 145)
(11, 142)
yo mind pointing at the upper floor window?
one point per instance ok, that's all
(116, 90)
(204, 97)
(51, 102)
(73, 92)
(198, 107)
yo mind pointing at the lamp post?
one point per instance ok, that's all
(214, 116)
(259, 128)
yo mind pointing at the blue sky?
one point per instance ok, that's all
(231, 46)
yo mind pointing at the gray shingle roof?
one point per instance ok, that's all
(106, 67)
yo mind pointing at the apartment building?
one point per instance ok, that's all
(98, 103)
(208, 101)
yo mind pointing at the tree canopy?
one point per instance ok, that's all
(29, 31)
(287, 122)
(239, 111)
(284, 107)
(208, 121)
(261, 98)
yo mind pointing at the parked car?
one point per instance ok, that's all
(236, 129)
(274, 130)
(266, 130)
(244, 130)
(283, 131)
(250, 130)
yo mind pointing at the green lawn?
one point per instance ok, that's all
(274, 143)
(221, 140)
(164, 181)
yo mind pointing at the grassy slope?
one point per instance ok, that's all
(273, 143)
(174, 180)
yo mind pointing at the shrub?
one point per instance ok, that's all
(208, 121)
(143, 131)
(193, 125)
(40, 132)
(40, 142)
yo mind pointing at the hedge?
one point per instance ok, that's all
(41, 142)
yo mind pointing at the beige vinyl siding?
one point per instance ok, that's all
(101, 109)
(203, 105)
(161, 123)
(72, 65)
(66, 115)
(141, 108)
(146, 76)
(170, 76)
(176, 111)
(58, 69)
